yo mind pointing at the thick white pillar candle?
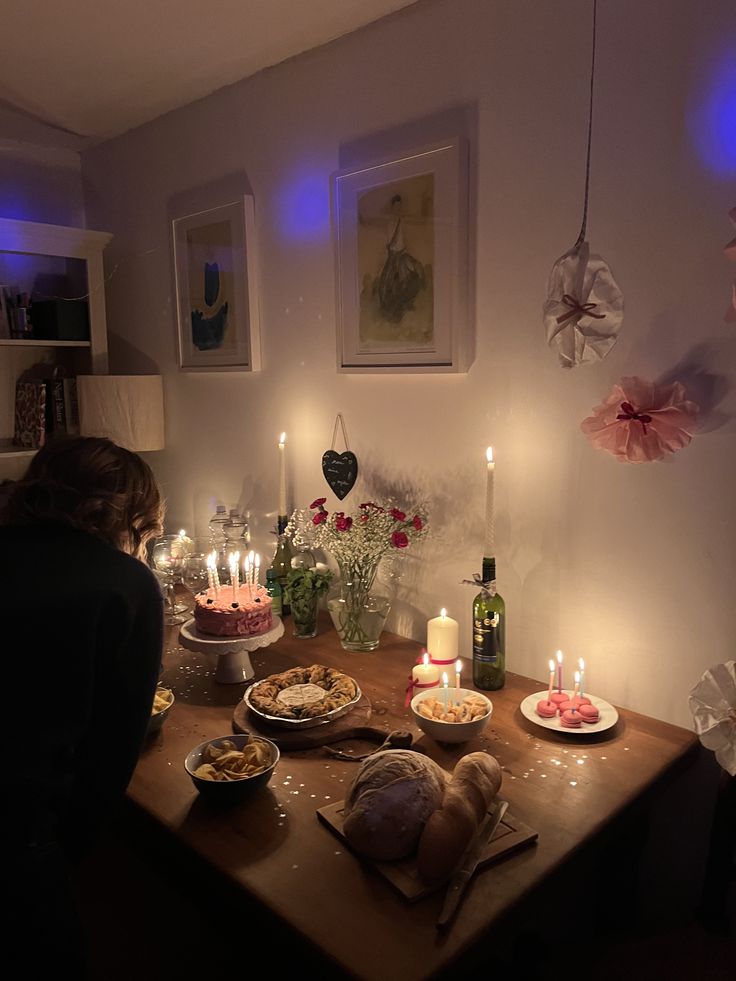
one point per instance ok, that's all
(442, 637)
(425, 673)
(489, 543)
(282, 474)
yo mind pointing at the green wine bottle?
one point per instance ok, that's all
(489, 634)
(281, 564)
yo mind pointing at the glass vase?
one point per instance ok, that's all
(304, 614)
(359, 611)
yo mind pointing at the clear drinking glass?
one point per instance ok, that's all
(168, 556)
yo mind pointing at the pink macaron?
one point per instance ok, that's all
(574, 703)
(571, 719)
(548, 710)
(589, 713)
(559, 696)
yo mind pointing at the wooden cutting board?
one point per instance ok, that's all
(353, 725)
(510, 835)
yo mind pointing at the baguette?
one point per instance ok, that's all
(449, 831)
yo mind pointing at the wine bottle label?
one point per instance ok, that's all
(486, 640)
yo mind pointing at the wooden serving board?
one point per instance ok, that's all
(510, 835)
(353, 725)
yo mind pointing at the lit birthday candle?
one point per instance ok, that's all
(559, 671)
(444, 685)
(551, 679)
(576, 692)
(581, 665)
(247, 576)
(234, 578)
(212, 573)
(257, 571)
(489, 544)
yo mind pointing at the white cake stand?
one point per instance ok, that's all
(233, 663)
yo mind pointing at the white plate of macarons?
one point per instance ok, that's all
(607, 715)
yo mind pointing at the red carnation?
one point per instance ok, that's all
(399, 539)
(318, 503)
(319, 517)
(417, 522)
(397, 515)
(342, 523)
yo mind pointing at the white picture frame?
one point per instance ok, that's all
(400, 232)
(216, 289)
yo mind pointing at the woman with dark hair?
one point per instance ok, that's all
(81, 619)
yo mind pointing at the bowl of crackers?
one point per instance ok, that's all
(230, 768)
(162, 702)
(451, 715)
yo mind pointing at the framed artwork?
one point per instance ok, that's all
(401, 243)
(216, 292)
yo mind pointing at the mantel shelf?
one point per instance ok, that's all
(16, 342)
(8, 450)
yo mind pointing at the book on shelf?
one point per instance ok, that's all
(4, 313)
(30, 413)
(71, 406)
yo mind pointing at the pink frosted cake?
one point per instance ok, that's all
(219, 615)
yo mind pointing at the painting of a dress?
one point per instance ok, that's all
(210, 272)
(395, 264)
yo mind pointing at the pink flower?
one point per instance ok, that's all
(399, 539)
(319, 517)
(318, 503)
(342, 523)
(397, 515)
(417, 522)
(642, 421)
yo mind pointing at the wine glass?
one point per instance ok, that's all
(168, 556)
(195, 573)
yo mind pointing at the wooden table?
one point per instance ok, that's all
(570, 789)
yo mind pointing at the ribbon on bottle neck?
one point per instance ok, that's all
(487, 588)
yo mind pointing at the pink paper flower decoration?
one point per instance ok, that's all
(642, 421)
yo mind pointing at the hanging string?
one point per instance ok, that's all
(339, 421)
(583, 227)
(97, 287)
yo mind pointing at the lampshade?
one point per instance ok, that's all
(128, 409)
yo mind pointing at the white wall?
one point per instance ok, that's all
(631, 567)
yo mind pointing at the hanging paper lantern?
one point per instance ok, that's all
(713, 704)
(584, 308)
(730, 251)
(641, 421)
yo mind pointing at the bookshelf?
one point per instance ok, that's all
(28, 252)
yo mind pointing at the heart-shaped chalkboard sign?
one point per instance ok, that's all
(341, 471)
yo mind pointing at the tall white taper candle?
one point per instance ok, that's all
(489, 543)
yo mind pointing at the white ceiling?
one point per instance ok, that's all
(97, 68)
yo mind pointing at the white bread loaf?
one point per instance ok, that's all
(475, 782)
(388, 803)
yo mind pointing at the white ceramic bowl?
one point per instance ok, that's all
(230, 791)
(157, 720)
(450, 732)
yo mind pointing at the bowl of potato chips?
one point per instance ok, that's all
(230, 768)
(162, 702)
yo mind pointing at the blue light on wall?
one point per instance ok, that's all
(713, 116)
(304, 207)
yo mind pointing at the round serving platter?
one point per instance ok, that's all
(608, 716)
(296, 724)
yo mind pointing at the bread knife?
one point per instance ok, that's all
(462, 877)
